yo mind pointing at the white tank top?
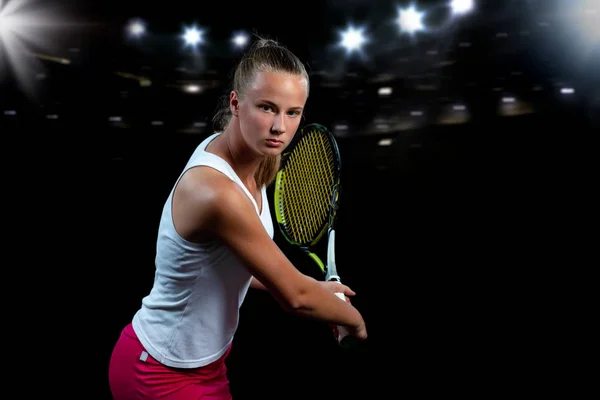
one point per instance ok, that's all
(191, 314)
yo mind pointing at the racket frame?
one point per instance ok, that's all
(329, 270)
(328, 224)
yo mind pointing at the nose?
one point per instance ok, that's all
(279, 124)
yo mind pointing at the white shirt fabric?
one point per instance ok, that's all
(191, 314)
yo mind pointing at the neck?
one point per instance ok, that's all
(231, 147)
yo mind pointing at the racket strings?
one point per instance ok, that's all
(308, 187)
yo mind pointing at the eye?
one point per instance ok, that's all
(265, 107)
(294, 113)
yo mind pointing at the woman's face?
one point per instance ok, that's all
(271, 110)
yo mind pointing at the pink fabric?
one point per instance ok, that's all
(130, 378)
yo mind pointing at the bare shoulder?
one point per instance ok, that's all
(207, 205)
(202, 197)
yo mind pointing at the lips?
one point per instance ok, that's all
(274, 142)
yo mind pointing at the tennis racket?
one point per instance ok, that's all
(306, 199)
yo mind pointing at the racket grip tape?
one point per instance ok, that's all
(342, 332)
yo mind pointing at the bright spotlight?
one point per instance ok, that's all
(193, 36)
(567, 90)
(352, 39)
(26, 30)
(410, 20)
(240, 39)
(461, 6)
(192, 88)
(136, 28)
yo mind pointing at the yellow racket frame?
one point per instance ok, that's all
(309, 211)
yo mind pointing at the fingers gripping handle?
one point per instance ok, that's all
(342, 332)
(332, 275)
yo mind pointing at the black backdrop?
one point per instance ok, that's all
(452, 237)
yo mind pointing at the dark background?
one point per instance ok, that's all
(463, 241)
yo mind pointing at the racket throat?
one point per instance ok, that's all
(330, 268)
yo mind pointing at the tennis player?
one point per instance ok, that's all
(215, 241)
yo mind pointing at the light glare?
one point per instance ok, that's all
(410, 20)
(193, 36)
(353, 39)
(461, 6)
(26, 30)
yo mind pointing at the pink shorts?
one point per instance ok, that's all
(132, 378)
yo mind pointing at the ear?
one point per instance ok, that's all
(234, 103)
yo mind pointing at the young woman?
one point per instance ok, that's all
(215, 240)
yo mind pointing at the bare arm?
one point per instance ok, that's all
(239, 226)
(334, 287)
(222, 209)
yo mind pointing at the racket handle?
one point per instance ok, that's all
(342, 331)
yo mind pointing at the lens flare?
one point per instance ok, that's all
(27, 28)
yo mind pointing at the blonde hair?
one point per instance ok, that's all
(263, 55)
